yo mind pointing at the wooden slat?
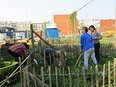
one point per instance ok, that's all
(64, 83)
(27, 76)
(78, 78)
(56, 72)
(42, 74)
(92, 84)
(50, 82)
(109, 78)
(103, 80)
(97, 78)
(84, 78)
(70, 79)
(114, 71)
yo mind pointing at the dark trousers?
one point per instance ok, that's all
(15, 55)
(97, 48)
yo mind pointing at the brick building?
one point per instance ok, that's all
(63, 23)
(107, 25)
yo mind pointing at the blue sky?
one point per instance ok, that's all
(43, 10)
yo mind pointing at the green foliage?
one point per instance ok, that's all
(73, 19)
(1, 63)
(44, 25)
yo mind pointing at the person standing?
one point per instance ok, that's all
(96, 37)
(87, 46)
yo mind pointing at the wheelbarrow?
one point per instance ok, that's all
(8, 68)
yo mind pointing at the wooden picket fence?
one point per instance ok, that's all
(104, 76)
(66, 75)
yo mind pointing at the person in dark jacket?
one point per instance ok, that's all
(51, 55)
(96, 37)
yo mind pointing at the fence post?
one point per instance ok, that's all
(77, 78)
(21, 76)
(42, 73)
(24, 78)
(64, 77)
(56, 72)
(92, 76)
(34, 76)
(109, 74)
(84, 77)
(50, 82)
(70, 76)
(114, 71)
(103, 76)
(44, 58)
(97, 81)
(27, 76)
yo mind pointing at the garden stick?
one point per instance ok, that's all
(103, 75)
(92, 77)
(70, 76)
(50, 81)
(42, 73)
(77, 78)
(78, 60)
(56, 71)
(109, 79)
(64, 77)
(97, 81)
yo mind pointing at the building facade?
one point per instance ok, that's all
(63, 24)
(107, 25)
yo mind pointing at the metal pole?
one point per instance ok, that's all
(26, 25)
(115, 21)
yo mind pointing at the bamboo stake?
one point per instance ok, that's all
(50, 82)
(42, 73)
(77, 78)
(38, 80)
(97, 81)
(43, 39)
(27, 76)
(44, 58)
(34, 76)
(103, 76)
(84, 77)
(114, 71)
(109, 74)
(64, 83)
(92, 77)
(15, 70)
(21, 76)
(70, 79)
(24, 78)
(56, 71)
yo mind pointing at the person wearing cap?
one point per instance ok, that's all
(96, 37)
(87, 46)
(18, 50)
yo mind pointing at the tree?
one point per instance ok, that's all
(73, 20)
(44, 26)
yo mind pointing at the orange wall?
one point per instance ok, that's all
(64, 24)
(107, 25)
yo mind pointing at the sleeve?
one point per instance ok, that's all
(99, 35)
